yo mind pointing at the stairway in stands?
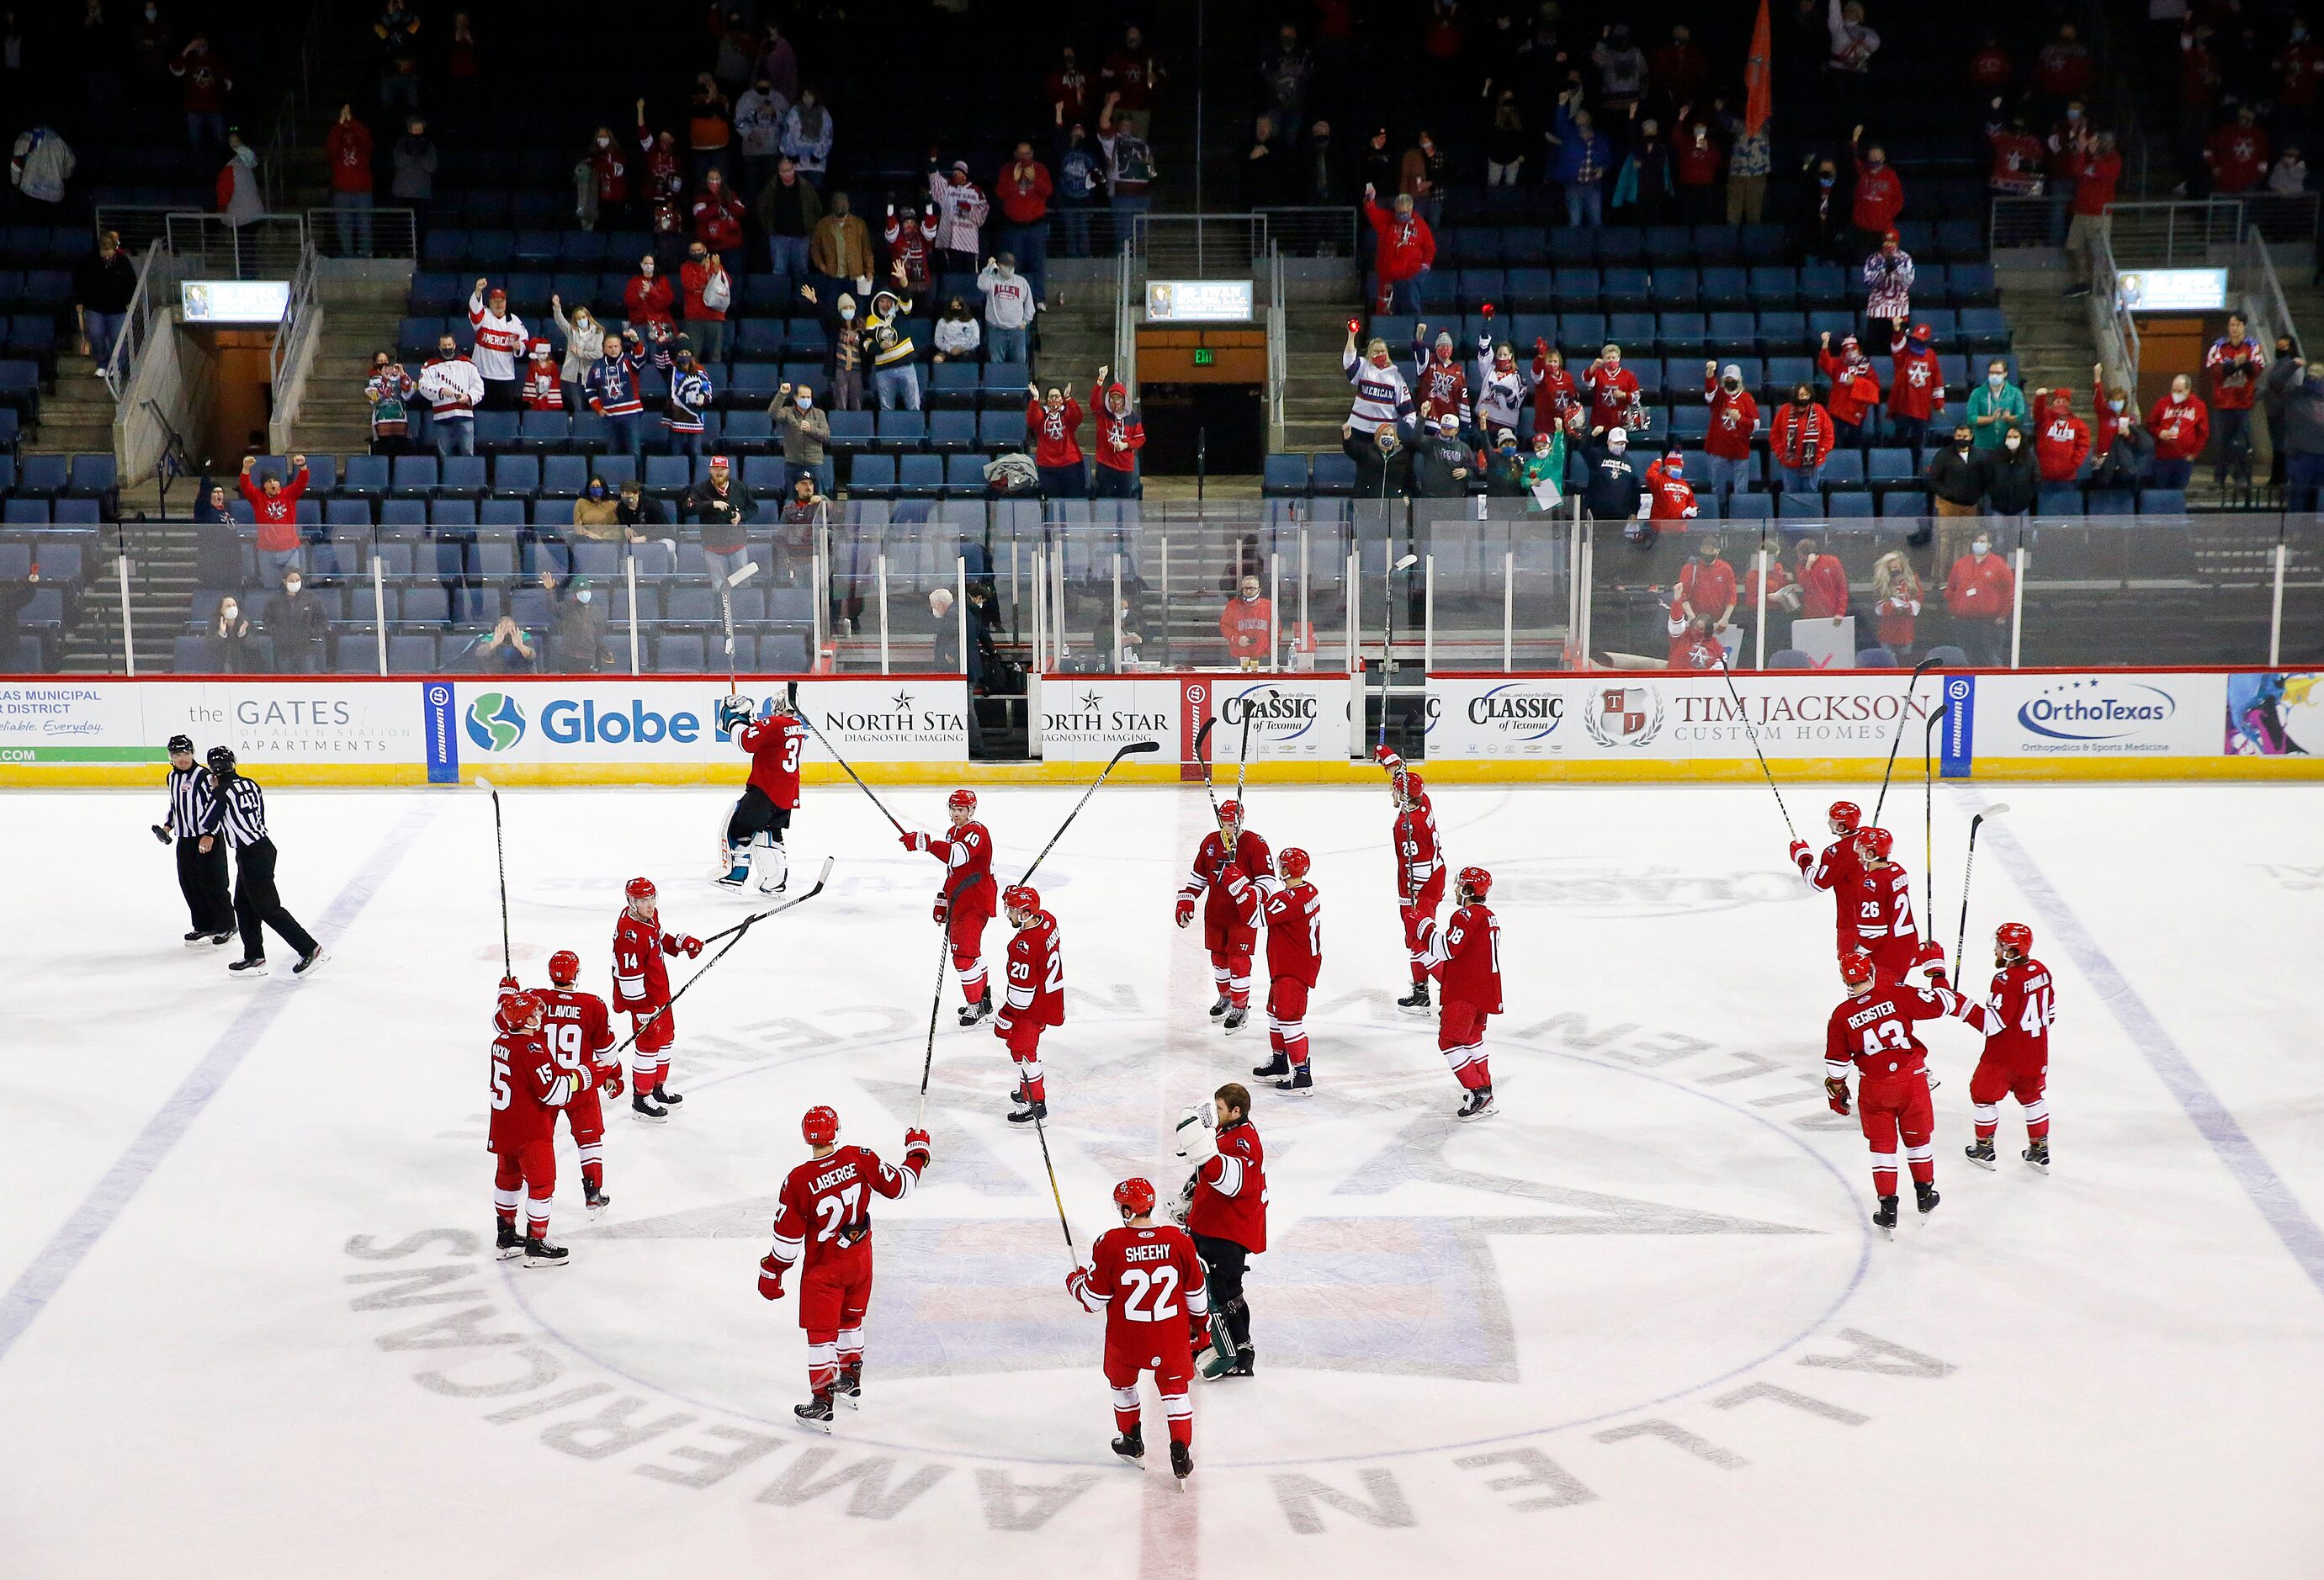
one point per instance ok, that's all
(359, 316)
(2050, 333)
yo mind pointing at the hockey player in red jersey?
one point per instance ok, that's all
(774, 745)
(1419, 869)
(2020, 1006)
(1872, 1032)
(823, 1219)
(1293, 912)
(1883, 904)
(1838, 869)
(1225, 1209)
(579, 1033)
(1229, 931)
(641, 991)
(1465, 956)
(528, 1089)
(1148, 1280)
(966, 902)
(1036, 996)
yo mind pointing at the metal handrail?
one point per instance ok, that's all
(133, 321)
(2118, 326)
(1278, 358)
(290, 353)
(1126, 310)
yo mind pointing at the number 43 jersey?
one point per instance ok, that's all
(825, 1211)
(1873, 1031)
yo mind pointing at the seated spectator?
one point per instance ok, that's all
(596, 515)
(1442, 469)
(1010, 300)
(1801, 438)
(1980, 591)
(957, 334)
(275, 503)
(1053, 419)
(806, 432)
(636, 508)
(1855, 388)
(1896, 603)
(1996, 407)
(2182, 426)
(721, 506)
(2012, 480)
(1248, 625)
(506, 649)
(228, 636)
(2062, 441)
(295, 619)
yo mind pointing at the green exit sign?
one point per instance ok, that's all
(1204, 356)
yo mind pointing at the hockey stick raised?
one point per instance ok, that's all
(1201, 748)
(726, 614)
(1744, 713)
(1387, 641)
(1929, 812)
(1903, 713)
(851, 773)
(1131, 749)
(1960, 939)
(734, 935)
(500, 855)
(1242, 752)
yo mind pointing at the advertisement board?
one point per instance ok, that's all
(1291, 717)
(1616, 716)
(2127, 714)
(1088, 718)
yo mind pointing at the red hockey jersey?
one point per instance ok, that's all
(823, 1211)
(1148, 1282)
(1231, 1190)
(1465, 956)
(775, 744)
(1873, 1031)
(640, 981)
(528, 1089)
(2020, 1006)
(1037, 974)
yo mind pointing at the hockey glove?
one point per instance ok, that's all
(1077, 1286)
(1835, 1092)
(610, 1080)
(1196, 1144)
(160, 834)
(1937, 977)
(691, 945)
(1801, 854)
(915, 1144)
(1001, 1025)
(770, 1277)
(1184, 1204)
(914, 840)
(942, 910)
(1185, 910)
(511, 985)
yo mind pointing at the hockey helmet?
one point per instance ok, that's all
(1855, 969)
(1873, 844)
(563, 968)
(1844, 816)
(2014, 939)
(1291, 862)
(1134, 1196)
(1231, 812)
(1475, 882)
(1412, 789)
(820, 1126)
(518, 1012)
(221, 761)
(1020, 896)
(640, 891)
(961, 803)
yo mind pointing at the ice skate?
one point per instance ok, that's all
(510, 1245)
(315, 959)
(1980, 1153)
(249, 967)
(643, 1109)
(1131, 1445)
(1885, 1220)
(539, 1253)
(1479, 1104)
(1301, 1080)
(1235, 1020)
(594, 1198)
(667, 1098)
(1278, 1065)
(1416, 1001)
(2037, 1154)
(1224, 1005)
(816, 1411)
(1182, 1461)
(849, 1389)
(1925, 1197)
(970, 1013)
(1028, 1112)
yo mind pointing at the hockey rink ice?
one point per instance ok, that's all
(1637, 1324)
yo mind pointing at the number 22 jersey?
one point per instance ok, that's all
(1149, 1281)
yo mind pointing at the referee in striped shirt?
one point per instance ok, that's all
(195, 823)
(243, 806)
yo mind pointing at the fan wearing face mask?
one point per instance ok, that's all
(1979, 590)
(2011, 478)
(2182, 427)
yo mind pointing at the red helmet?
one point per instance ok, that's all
(1231, 812)
(1844, 816)
(563, 968)
(1476, 882)
(960, 801)
(1874, 843)
(820, 1126)
(640, 888)
(1020, 896)
(1291, 862)
(1856, 968)
(1416, 788)
(2014, 938)
(1134, 1196)
(516, 1011)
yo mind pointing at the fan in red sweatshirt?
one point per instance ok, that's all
(1734, 415)
(1670, 496)
(1855, 387)
(2063, 442)
(1056, 442)
(537, 381)
(1556, 395)
(2180, 422)
(1916, 385)
(1119, 433)
(349, 150)
(275, 504)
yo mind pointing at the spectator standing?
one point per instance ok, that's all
(2300, 384)
(577, 641)
(2237, 364)
(1443, 462)
(1383, 398)
(790, 210)
(2097, 171)
(721, 507)
(646, 298)
(895, 367)
(1247, 625)
(1120, 435)
(2236, 154)
(453, 390)
(1615, 486)
(1614, 392)
(1697, 161)
(1769, 581)
(40, 163)
(2182, 426)
(709, 128)
(462, 62)
(1507, 467)
(207, 85)
(1823, 580)
(1128, 78)
(1980, 591)
(690, 395)
(398, 30)
(2129, 448)
(2063, 70)
(1880, 192)
(1644, 182)
(1129, 166)
(389, 391)
(1824, 232)
(1024, 189)
(295, 621)
(1847, 67)
(1734, 422)
(275, 504)
(1540, 472)
(961, 209)
(2018, 157)
(217, 539)
(717, 213)
(1507, 142)
(912, 241)
(1670, 497)
(839, 248)
(1705, 591)
(803, 507)
(1054, 420)
(1556, 396)
(778, 63)
(1896, 603)
(1996, 408)
(2061, 442)
(1679, 71)
(103, 284)
(500, 340)
(602, 182)
(1080, 185)
(807, 135)
(805, 433)
(347, 150)
(1855, 388)
(414, 159)
(1383, 465)
(1621, 68)
(584, 343)
(240, 198)
(759, 131)
(1957, 487)
(1420, 175)
(1009, 300)
(2012, 480)
(1440, 383)
(1584, 157)
(615, 390)
(1404, 249)
(709, 292)
(1888, 276)
(1916, 386)
(1750, 160)
(1800, 438)
(1068, 91)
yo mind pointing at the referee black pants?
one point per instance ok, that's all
(1223, 1269)
(256, 903)
(202, 879)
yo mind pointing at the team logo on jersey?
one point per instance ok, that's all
(1624, 715)
(494, 721)
(2096, 710)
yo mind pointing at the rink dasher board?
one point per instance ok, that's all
(1633, 727)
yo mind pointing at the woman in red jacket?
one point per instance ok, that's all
(1054, 420)
(2062, 441)
(2182, 426)
(1802, 438)
(648, 296)
(1979, 594)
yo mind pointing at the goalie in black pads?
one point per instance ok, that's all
(754, 831)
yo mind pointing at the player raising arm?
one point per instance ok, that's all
(528, 1089)
(1225, 1210)
(1037, 996)
(641, 991)
(579, 1033)
(1465, 956)
(1872, 1032)
(1147, 1279)
(1419, 869)
(1837, 870)
(774, 745)
(823, 1218)
(965, 904)
(1295, 959)
(1229, 931)
(1885, 927)
(2022, 1004)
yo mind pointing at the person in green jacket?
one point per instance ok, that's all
(1996, 407)
(1548, 462)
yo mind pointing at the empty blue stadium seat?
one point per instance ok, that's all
(871, 475)
(1334, 475)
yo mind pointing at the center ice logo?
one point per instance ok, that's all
(494, 723)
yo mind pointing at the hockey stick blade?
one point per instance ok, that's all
(757, 917)
(1131, 749)
(750, 569)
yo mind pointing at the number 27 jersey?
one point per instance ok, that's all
(824, 1208)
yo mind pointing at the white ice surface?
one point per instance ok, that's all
(1592, 1331)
